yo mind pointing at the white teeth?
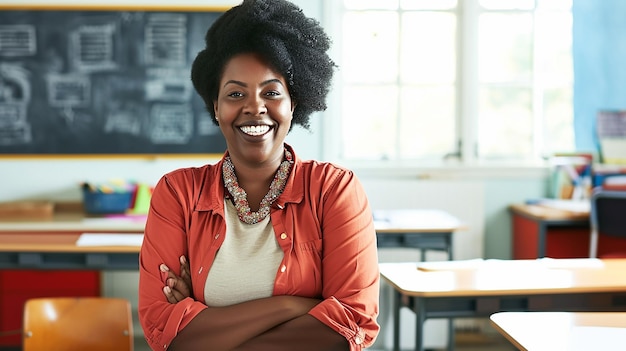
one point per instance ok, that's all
(255, 130)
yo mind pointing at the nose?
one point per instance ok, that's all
(255, 105)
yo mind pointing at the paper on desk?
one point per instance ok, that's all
(109, 239)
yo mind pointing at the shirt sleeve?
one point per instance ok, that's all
(349, 264)
(164, 242)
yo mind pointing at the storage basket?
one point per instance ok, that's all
(96, 202)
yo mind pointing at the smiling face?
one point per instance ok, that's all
(254, 111)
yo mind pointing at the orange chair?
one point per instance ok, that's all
(77, 324)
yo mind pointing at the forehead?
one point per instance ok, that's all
(249, 66)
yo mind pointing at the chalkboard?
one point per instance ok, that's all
(99, 81)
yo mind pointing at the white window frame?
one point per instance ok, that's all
(466, 113)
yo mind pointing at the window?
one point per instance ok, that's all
(468, 79)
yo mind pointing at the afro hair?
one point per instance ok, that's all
(294, 44)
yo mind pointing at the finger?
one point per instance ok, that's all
(169, 296)
(185, 271)
(180, 286)
(184, 266)
(173, 295)
(178, 296)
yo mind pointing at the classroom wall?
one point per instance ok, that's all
(599, 52)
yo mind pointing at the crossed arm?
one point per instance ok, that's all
(275, 323)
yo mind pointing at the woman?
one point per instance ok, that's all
(262, 250)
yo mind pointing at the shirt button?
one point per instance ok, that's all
(283, 236)
(283, 268)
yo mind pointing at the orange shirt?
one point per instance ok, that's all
(322, 221)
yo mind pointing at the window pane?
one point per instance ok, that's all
(370, 4)
(554, 48)
(427, 122)
(369, 122)
(505, 48)
(564, 5)
(558, 121)
(370, 47)
(428, 47)
(505, 123)
(507, 4)
(428, 4)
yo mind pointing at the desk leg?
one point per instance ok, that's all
(450, 320)
(449, 240)
(450, 334)
(541, 245)
(418, 308)
(396, 319)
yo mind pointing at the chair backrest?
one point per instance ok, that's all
(607, 216)
(77, 323)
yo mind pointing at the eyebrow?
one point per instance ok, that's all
(240, 83)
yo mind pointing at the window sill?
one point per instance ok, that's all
(449, 170)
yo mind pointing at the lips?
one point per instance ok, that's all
(255, 130)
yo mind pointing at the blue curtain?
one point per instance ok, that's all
(599, 57)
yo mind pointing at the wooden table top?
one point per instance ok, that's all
(54, 242)
(540, 212)
(415, 221)
(75, 222)
(505, 277)
(564, 331)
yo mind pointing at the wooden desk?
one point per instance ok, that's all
(477, 288)
(565, 331)
(51, 244)
(540, 231)
(59, 251)
(422, 229)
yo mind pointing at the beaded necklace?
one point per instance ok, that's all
(240, 197)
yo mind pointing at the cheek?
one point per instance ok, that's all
(287, 111)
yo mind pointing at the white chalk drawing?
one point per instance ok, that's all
(168, 84)
(71, 90)
(166, 39)
(171, 124)
(122, 119)
(17, 40)
(15, 95)
(91, 47)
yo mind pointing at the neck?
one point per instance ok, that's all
(255, 175)
(256, 179)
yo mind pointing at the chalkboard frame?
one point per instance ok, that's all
(111, 135)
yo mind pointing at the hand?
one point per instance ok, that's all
(177, 288)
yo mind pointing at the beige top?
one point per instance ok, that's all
(246, 264)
